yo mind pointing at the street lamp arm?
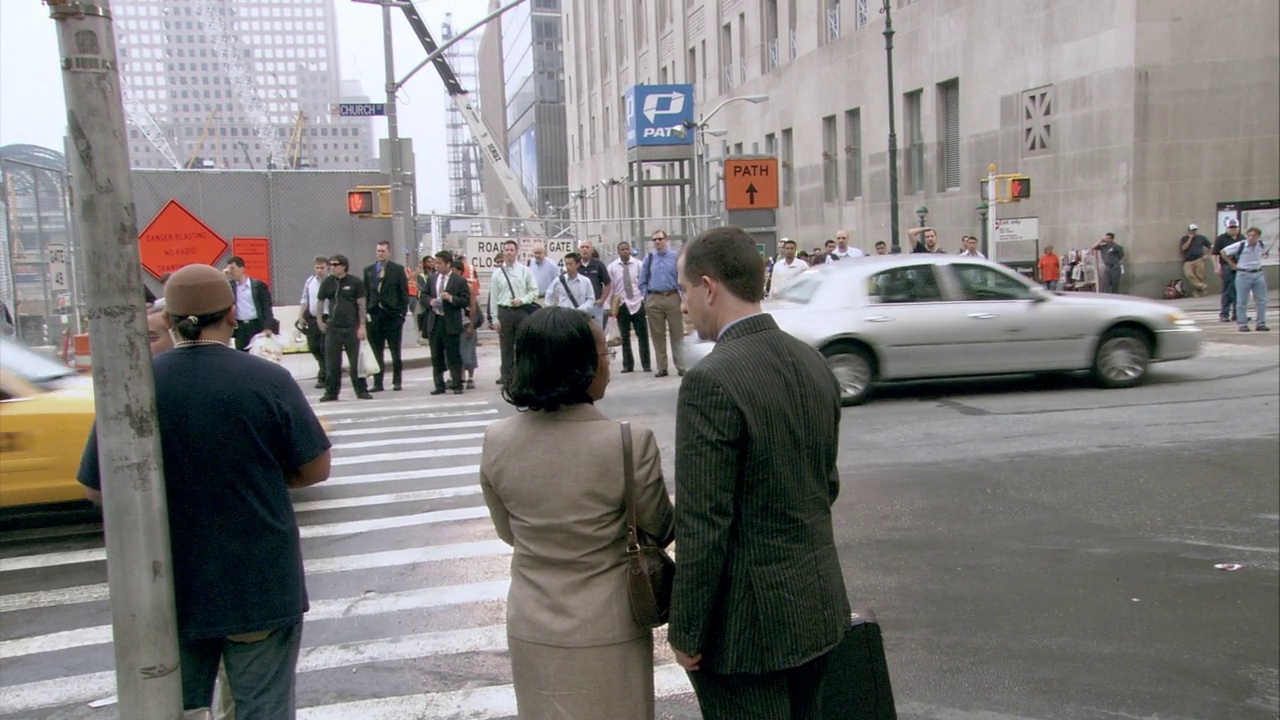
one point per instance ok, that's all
(456, 38)
(748, 98)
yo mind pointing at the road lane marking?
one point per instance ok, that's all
(355, 527)
(456, 470)
(388, 499)
(370, 408)
(428, 427)
(407, 416)
(342, 563)
(384, 442)
(411, 455)
(338, 608)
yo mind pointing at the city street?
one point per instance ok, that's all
(1035, 549)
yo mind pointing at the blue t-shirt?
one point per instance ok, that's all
(232, 427)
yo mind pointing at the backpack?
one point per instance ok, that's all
(1174, 290)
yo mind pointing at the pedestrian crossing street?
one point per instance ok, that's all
(406, 578)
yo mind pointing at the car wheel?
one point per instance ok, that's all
(1122, 358)
(854, 370)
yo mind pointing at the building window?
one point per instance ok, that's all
(949, 126)
(788, 168)
(831, 18)
(853, 154)
(912, 127)
(726, 58)
(1037, 120)
(863, 15)
(771, 57)
(830, 161)
(771, 144)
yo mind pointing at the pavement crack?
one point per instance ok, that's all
(964, 409)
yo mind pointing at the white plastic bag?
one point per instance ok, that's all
(612, 335)
(368, 362)
(267, 348)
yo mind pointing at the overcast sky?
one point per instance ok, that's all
(32, 109)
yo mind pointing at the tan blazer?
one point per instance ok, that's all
(554, 486)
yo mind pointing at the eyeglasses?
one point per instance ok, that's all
(612, 353)
(335, 265)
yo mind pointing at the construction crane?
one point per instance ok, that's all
(293, 153)
(246, 89)
(493, 152)
(210, 123)
(141, 117)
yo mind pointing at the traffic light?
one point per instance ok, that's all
(1019, 188)
(369, 201)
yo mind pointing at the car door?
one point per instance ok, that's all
(906, 321)
(1012, 326)
(25, 457)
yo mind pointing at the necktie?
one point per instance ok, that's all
(440, 289)
(626, 278)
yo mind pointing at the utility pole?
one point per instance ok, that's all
(895, 244)
(401, 210)
(139, 567)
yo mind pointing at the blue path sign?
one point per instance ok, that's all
(654, 112)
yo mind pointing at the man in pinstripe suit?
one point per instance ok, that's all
(759, 598)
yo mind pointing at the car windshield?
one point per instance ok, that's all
(30, 365)
(801, 290)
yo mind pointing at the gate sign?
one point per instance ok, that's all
(1025, 229)
(256, 253)
(176, 238)
(750, 183)
(58, 268)
(657, 115)
(481, 251)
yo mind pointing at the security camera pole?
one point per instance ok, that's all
(139, 568)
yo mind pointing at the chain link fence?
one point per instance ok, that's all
(37, 285)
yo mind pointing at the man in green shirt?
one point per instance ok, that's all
(512, 294)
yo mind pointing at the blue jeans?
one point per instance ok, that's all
(262, 674)
(1255, 283)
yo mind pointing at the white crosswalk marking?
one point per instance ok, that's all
(403, 570)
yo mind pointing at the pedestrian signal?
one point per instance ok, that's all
(369, 201)
(1020, 188)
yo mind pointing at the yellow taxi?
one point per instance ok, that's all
(46, 412)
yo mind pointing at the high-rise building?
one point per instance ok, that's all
(461, 150)
(522, 92)
(193, 66)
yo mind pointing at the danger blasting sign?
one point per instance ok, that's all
(482, 251)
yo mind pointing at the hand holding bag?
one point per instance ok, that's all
(650, 570)
(367, 363)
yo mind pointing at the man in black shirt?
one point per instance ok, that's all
(1195, 249)
(343, 328)
(1110, 272)
(1227, 309)
(593, 269)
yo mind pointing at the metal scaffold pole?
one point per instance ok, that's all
(139, 568)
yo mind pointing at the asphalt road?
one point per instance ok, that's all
(1036, 549)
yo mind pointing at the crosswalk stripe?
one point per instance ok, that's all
(384, 442)
(412, 455)
(402, 417)
(370, 408)
(342, 563)
(356, 527)
(482, 703)
(361, 479)
(370, 603)
(428, 427)
(92, 686)
(388, 499)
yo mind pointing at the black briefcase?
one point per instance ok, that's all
(855, 685)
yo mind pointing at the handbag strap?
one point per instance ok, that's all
(629, 475)
(510, 287)
(572, 299)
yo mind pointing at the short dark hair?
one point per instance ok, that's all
(879, 243)
(788, 242)
(236, 260)
(829, 242)
(380, 243)
(574, 257)
(727, 254)
(555, 361)
(802, 254)
(189, 327)
(340, 260)
(458, 264)
(446, 256)
(655, 232)
(320, 259)
(1111, 235)
(624, 242)
(513, 243)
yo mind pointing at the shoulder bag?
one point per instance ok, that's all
(650, 570)
(528, 308)
(567, 291)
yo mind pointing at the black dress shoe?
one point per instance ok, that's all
(320, 384)
(660, 373)
(364, 396)
(397, 387)
(328, 398)
(457, 391)
(438, 391)
(627, 370)
(1262, 328)
(376, 388)
(646, 370)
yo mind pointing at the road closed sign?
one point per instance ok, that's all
(751, 183)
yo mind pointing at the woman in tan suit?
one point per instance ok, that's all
(553, 479)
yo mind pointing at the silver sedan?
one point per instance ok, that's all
(911, 317)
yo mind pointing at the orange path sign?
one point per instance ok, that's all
(175, 238)
(751, 184)
(256, 253)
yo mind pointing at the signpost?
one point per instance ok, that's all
(256, 253)
(58, 268)
(751, 183)
(360, 109)
(176, 238)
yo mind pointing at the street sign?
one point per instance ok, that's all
(256, 253)
(481, 251)
(750, 183)
(659, 115)
(361, 109)
(176, 238)
(58, 268)
(1025, 229)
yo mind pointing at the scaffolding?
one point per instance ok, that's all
(463, 153)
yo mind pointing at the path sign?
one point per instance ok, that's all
(58, 268)
(750, 183)
(256, 253)
(176, 238)
(1025, 229)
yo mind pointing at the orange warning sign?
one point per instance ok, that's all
(256, 253)
(176, 238)
(750, 183)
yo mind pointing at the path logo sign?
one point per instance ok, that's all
(656, 115)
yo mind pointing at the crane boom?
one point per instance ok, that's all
(492, 151)
(141, 117)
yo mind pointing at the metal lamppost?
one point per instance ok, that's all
(895, 244)
(922, 213)
(982, 215)
(699, 143)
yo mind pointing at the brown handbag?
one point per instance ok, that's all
(650, 570)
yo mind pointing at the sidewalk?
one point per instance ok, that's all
(1211, 303)
(413, 357)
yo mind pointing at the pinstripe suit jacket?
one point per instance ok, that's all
(758, 585)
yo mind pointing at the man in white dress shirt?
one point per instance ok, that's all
(313, 309)
(787, 268)
(572, 289)
(843, 251)
(628, 307)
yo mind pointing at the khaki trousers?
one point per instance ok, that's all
(663, 313)
(1194, 270)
